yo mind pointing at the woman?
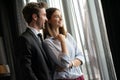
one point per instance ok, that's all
(62, 48)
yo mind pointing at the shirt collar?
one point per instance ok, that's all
(34, 30)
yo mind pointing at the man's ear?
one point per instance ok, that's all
(34, 16)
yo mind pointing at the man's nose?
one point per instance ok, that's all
(46, 19)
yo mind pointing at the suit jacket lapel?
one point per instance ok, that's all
(38, 42)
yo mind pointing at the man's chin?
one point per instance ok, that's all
(43, 27)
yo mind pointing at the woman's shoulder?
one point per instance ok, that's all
(48, 40)
(69, 35)
(70, 38)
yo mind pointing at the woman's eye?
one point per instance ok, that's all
(56, 16)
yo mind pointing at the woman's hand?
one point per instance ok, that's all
(60, 37)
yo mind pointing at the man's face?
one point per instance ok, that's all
(42, 18)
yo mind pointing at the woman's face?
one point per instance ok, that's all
(56, 19)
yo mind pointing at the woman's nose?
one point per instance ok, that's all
(60, 18)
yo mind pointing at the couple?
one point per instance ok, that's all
(57, 57)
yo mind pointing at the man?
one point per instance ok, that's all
(32, 61)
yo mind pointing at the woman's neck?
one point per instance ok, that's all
(55, 31)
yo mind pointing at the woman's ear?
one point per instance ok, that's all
(34, 16)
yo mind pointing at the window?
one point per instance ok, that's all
(84, 20)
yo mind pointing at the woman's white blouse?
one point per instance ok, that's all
(53, 47)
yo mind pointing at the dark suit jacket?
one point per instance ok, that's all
(31, 60)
